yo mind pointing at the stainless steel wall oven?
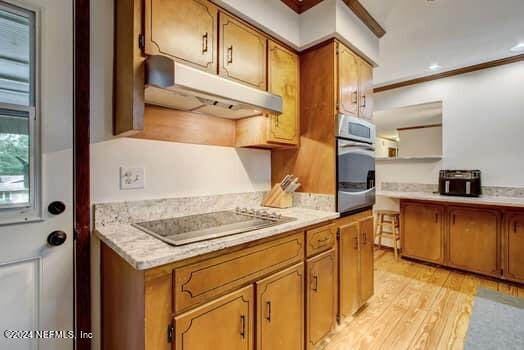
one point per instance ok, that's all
(355, 165)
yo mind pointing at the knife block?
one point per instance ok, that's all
(277, 198)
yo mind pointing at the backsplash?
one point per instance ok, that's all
(408, 187)
(136, 211)
(494, 191)
(315, 201)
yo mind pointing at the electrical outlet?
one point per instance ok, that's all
(132, 178)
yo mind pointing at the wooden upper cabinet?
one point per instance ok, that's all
(349, 269)
(366, 259)
(422, 231)
(243, 53)
(474, 239)
(283, 80)
(185, 30)
(365, 90)
(224, 324)
(321, 297)
(280, 310)
(514, 247)
(348, 81)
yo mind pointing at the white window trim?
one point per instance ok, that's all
(32, 212)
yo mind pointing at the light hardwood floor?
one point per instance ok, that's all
(415, 306)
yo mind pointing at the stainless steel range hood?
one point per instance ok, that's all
(174, 85)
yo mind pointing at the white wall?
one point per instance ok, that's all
(382, 147)
(420, 142)
(177, 169)
(172, 169)
(482, 120)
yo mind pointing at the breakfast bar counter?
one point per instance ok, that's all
(435, 197)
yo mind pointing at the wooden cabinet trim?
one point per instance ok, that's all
(310, 320)
(452, 211)
(187, 296)
(262, 313)
(245, 295)
(320, 239)
(152, 47)
(225, 19)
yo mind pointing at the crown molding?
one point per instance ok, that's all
(354, 5)
(450, 73)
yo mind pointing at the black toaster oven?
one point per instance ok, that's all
(460, 183)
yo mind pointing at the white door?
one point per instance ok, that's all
(36, 169)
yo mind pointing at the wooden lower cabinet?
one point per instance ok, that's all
(473, 242)
(366, 259)
(513, 253)
(356, 265)
(280, 310)
(478, 238)
(422, 232)
(224, 324)
(321, 297)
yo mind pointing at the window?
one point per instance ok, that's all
(17, 107)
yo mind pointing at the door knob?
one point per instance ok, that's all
(56, 238)
(56, 207)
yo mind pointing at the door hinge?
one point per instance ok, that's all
(170, 333)
(141, 41)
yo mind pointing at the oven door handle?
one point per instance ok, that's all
(351, 144)
(369, 190)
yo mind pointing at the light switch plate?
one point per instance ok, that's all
(132, 178)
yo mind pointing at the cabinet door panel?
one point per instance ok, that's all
(514, 247)
(224, 324)
(321, 297)
(349, 262)
(242, 53)
(347, 81)
(280, 310)
(366, 259)
(422, 232)
(474, 240)
(185, 30)
(283, 80)
(365, 90)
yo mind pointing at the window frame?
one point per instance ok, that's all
(31, 210)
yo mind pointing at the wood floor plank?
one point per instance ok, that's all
(415, 306)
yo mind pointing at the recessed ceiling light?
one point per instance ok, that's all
(435, 66)
(518, 47)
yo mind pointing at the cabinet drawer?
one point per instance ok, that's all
(321, 239)
(197, 283)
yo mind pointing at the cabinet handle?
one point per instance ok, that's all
(323, 241)
(204, 42)
(355, 243)
(354, 97)
(315, 285)
(364, 103)
(277, 121)
(364, 238)
(268, 311)
(230, 54)
(243, 326)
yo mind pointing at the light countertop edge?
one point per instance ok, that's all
(516, 202)
(143, 251)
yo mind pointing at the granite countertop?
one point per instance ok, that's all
(143, 251)
(482, 200)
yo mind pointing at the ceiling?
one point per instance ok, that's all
(452, 33)
(389, 121)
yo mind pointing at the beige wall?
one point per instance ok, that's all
(420, 142)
